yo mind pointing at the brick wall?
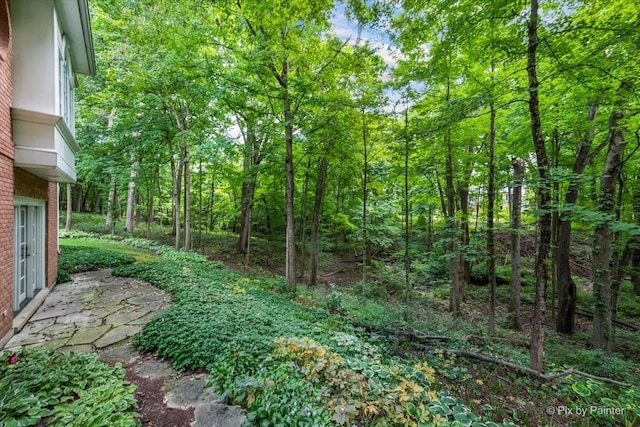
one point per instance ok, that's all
(29, 185)
(6, 176)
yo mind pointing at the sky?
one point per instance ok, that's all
(348, 30)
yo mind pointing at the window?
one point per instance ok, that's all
(66, 85)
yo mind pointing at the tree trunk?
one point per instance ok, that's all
(303, 219)
(150, 208)
(491, 247)
(463, 194)
(544, 221)
(187, 199)
(602, 332)
(456, 270)
(365, 196)
(110, 222)
(621, 257)
(516, 224)
(290, 274)
(251, 159)
(131, 196)
(555, 218)
(315, 222)
(97, 202)
(67, 225)
(567, 296)
(80, 197)
(407, 222)
(212, 196)
(200, 178)
(177, 188)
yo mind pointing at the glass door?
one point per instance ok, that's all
(20, 293)
(29, 252)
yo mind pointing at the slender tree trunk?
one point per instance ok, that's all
(555, 218)
(131, 196)
(634, 247)
(544, 221)
(315, 222)
(491, 197)
(290, 274)
(463, 193)
(602, 332)
(80, 197)
(365, 195)
(407, 231)
(567, 296)
(212, 196)
(516, 224)
(251, 159)
(187, 199)
(67, 225)
(150, 208)
(110, 222)
(96, 207)
(303, 219)
(456, 271)
(177, 188)
(200, 178)
(621, 257)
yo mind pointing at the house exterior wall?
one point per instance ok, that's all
(6, 178)
(29, 185)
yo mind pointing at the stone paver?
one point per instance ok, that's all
(116, 335)
(98, 313)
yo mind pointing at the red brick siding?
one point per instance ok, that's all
(29, 185)
(6, 244)
(6, 175)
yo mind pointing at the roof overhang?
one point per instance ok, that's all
(74, 18)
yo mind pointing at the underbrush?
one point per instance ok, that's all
(44, 387)
(286, 364)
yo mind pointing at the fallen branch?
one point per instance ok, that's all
(538, 375)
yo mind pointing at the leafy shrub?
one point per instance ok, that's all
(44, 387)
(74, 259)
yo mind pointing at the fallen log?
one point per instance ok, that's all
(532, 372)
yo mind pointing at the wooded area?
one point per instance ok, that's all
(473, 120)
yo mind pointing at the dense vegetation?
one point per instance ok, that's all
(44, 387)
(445, 149)
(351, 354)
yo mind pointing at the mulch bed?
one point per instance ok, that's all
(151, 407)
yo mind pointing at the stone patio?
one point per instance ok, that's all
(93, 312)
(99, 313)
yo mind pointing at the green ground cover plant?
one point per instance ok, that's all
(285, 363)
(74, 259)
(44, 387)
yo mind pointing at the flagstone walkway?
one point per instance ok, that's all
(99, 313)
(92, 312)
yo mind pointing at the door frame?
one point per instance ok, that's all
(35, 231)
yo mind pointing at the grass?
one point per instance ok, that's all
(138, 254)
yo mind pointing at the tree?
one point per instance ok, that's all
(516, 224)
(544, 194)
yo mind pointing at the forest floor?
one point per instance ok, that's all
(509, 392)
(425, 329)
